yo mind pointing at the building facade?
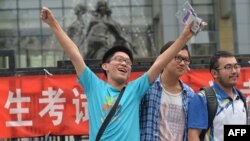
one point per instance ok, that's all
(147, 24)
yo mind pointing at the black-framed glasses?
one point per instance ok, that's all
(179, 59)
(121, 59)
(230, 67)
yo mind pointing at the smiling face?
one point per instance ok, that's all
(227, 73)
(118, 68)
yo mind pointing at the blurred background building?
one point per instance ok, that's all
(147, 24)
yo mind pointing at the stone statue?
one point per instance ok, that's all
(76, 30)
(103, 32)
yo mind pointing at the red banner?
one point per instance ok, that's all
(40, 105)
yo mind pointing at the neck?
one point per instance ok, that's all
(168, 79)
(116, 84)
(227, 89)
(170, 83)
(229, 92)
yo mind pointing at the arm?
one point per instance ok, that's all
(197, 117)
(163, 59)
(66, 43)
(193, 134)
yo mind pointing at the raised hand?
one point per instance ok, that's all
(66, 43)
(187, 32)
(47, 16)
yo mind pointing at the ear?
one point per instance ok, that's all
(214, 73)
(105, 66)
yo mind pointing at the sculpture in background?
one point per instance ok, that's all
(103, 32)
(95, 31)
(76, 30)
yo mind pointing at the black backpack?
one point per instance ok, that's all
(212, 105)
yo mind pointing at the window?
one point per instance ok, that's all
(205, 42)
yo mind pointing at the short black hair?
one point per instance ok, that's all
(115, 49)
(109, 54)
(168, 44)
(213, 64)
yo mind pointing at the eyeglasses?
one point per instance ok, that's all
(179, 59)
(121, 59)
(230, 67)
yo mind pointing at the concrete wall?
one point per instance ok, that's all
(225, 25)
(242, 26)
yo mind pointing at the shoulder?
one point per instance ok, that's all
(201, 93)
(87, 74)
(140, 82)
(199, 98)
(187, 89)
(156, 83)
(144, 78)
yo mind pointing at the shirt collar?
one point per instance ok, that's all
(222, 93)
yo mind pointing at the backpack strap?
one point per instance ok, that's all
(212, 105)
(245, 103)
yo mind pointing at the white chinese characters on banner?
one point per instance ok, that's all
(19, 110)
(54, 106)
(246, 84)
(55, 103)
(79, 114)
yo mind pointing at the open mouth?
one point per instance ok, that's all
(123, 70)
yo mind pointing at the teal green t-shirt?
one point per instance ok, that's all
(101, 96)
